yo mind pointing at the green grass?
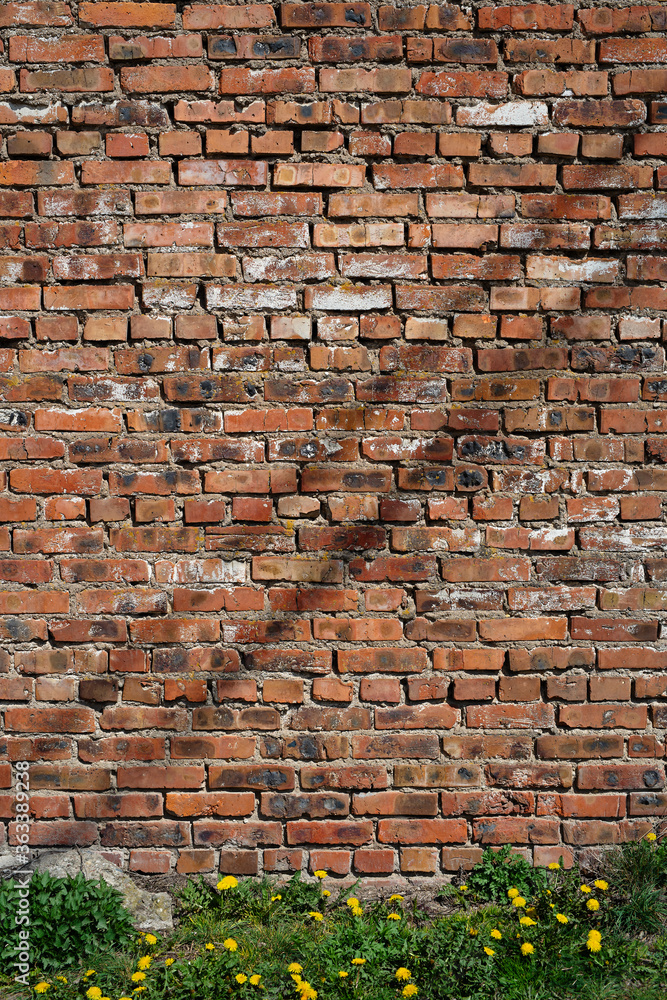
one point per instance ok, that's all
(456, 956)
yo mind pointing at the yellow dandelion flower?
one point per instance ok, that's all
(150, 939)
(352, 901)
(124, 998)
(169, 961)
(357, 911)
(210, 946)
(62, 979)
(554, 866)
(473, 932)
(496, 935)
(343, 974)
(358, 961)
(294, 968)
(512, 893)
(395, 898)
(601, 884)
(144, 962)
(651, 836)
(325, 892)
(90, 972)
(562, 919)
(228, 882)
(41, 987)
(527, 922)
(139, 989)
(410, 990)
(402, 974)
(489, 951)
(241, 979)
(593, 944)
(315, 915)
(276, 898)
(254, 980)
(230, 944)
(463, 888)
(320, 873)
(527, 948)
(393, 916)
(592, 904)
(585, 888)
(518, 901)
(594, 933)
(136, 977)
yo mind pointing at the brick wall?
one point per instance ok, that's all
(333, 430)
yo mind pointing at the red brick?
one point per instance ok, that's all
(51, 720)
(169, 79)
(528, 17)
(510, 716)
(455, 859)
(67, 80)
(188, 804)
(419, 860)
(456, 83)
(59, 833)
(191, 861)
(150, 862)
(128, 15)
(604, 716)
(126, 172)
(422, 831)
(329, 14)
(378, 861)
(112, 806)
(392, 18)
(516, 830)
(619, 777)
(30, 144)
